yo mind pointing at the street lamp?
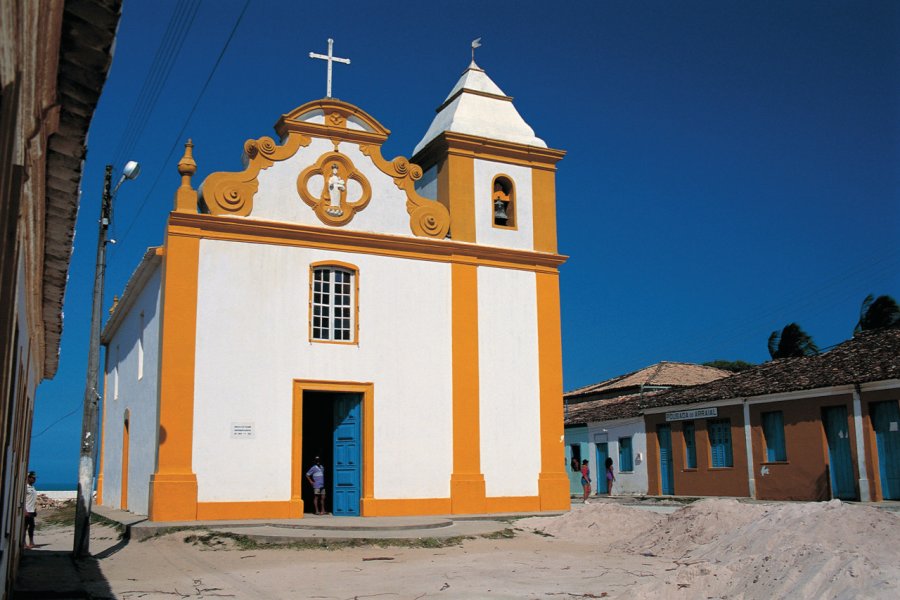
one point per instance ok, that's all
(91, 395)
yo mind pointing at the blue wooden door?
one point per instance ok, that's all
(886, 422)
(666, 469)
(602, 454)
(346, 481)
(840, 459)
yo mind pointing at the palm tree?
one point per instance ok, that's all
(791, 341)
(882, 312)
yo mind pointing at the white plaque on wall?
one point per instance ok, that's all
(242, 431)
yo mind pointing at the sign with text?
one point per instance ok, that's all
(242, 431)
(687, 415)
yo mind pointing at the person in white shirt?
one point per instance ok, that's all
(30, 507)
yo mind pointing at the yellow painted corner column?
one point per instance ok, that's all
(173, 487)
(456, 190)
(553, 483)
(467, 491)
(544, 209)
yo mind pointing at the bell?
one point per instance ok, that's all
(500, 211)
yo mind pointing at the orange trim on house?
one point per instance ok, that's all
(456, 175)
(501, 504)
(467, 488)
(221, 511)
(173, 487)
(99, 498)
(543, 210)
(126, 441)
(553, 482)
(405, 507)
(305, 236)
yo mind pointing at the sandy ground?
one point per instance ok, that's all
(711, 549)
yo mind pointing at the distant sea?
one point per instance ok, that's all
(54, 486)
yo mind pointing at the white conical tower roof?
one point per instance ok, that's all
(477, 106)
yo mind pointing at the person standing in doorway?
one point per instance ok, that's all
(30, 507)
(316, 478)
(586, 479)
(610, 477)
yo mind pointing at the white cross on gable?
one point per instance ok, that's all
(331, 59)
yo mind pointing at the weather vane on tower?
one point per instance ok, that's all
(331, 59)
(475, 44)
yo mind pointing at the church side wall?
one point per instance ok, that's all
(522, 237)
(508, 382)
(135, 392)
(253, 342)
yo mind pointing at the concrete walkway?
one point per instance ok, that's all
(328, 527)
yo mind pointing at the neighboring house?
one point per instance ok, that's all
(807, 428)
(54, 57)
(604, 420)
(399, 320)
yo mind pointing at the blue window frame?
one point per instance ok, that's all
(626, 459)
(773, 431)
(720, 443)
(690, 446)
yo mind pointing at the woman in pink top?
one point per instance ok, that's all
(586, 479)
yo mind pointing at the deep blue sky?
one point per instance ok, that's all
(731, 167)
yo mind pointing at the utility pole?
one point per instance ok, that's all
(91, 392)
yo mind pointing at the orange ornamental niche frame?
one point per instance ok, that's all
(338, 201)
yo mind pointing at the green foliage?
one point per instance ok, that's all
(735, 366)
(878, 313)
(791, 341)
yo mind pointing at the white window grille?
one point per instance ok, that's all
(333, 304)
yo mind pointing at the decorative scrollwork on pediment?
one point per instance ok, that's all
(231, 193)
(427, 218)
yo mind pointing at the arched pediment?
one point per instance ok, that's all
(333, 119)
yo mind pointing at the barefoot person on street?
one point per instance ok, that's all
(316, 478)
(586, 479)
(30, 507)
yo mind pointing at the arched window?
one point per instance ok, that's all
(503, 202)
(333, 310)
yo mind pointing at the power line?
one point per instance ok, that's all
(187, 120)
(166, 53)
(56, 422)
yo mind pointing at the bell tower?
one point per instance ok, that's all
(485, 164)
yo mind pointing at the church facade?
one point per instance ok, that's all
(399, 319)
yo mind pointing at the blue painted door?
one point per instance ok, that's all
(886, 422)
(840, 459)
(602, 454)
(346, 481)
(666, 472)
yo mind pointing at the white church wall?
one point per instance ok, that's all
(508, 367)
(522, 237)
(627, 483)
(278, 199)
(253, 342)
(427, 185)
(132, 380)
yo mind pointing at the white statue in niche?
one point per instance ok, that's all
(336, 187)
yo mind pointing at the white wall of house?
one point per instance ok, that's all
(253, 342)
(627, 482)
(132, 385)
(279, 200)
(522, 237)
(508, 382)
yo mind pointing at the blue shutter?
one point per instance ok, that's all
(690, 447)
(773, 431)
(626, 462)
(720, 443)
